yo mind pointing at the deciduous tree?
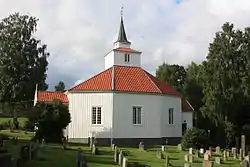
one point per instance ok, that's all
(172, 74)
(23, 59)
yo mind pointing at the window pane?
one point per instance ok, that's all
(171, 116)
(139, 115)
(99, 116)
(128, 57)
(134, 115)
(93, 115)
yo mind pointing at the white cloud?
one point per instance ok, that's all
(79, 32)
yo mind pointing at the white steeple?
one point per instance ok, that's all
(122, 54)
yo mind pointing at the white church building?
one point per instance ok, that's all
(124, 103)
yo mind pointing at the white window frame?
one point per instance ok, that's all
(127, 57)
(96, 115)
(137, 115)
(171, 116)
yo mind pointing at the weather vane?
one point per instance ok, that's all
(122, 11)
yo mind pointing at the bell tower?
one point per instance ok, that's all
(122, 53)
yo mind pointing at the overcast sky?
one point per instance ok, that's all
(79, 32)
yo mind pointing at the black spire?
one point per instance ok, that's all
(122, 34)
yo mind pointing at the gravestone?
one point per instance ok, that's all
(159, 155)
(234, 152)
(187, 165)
(179, 147)
(224, 155)
(186, 158)
(197, 154)
(5, 160)
(113, 147)
(141, 146)
(79, 158)
(240, 154)
(89, 141)
(243, 144)
(210, 151)
(162, 148)
(116, 154)
(1, 140)
(217, 160)
(202, 150)
(245, 163)
(206, 157)
(247, 158)
(217, 150)
(191, 158)
(125, 162)
(208, 164)
(190, 151)
(120, 158)
(167, 161)
(227, 153)
(93, 149)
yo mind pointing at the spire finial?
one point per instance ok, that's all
(122, 11)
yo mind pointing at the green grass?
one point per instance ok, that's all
(21, 120)
(55, 156)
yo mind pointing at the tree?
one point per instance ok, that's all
(193, 88)
(172, 74)
(51, 119)
(23, 59)
(226, 76)
(194, 85)
(60, 87)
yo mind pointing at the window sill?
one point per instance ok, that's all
(96, 125)
(173, 125)
(137, 125)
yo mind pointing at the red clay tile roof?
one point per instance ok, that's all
(126, 79)
(186, 106)
(129, 79)
(46, 96)
(128, 50)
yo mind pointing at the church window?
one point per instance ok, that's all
(171, 116)
(96, 115)
(127, 57)
(137, 116)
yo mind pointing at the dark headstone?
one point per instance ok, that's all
(88, 141)
(5, 160)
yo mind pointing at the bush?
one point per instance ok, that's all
(195, 138)
(51, 120)
(4, 126)
(29, 126)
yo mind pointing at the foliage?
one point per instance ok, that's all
(227, 77)
(23, 60)
(60, 87)
(15, 123)
(229, 133)
(172, 74)
(51, 120)
(195, 138)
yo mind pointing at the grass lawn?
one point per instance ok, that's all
(55, 156)
(21, 120)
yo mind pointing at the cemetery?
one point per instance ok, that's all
(20, 150)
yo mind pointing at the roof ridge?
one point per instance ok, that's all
(49, 91)
(89, 78)
(146, 74)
